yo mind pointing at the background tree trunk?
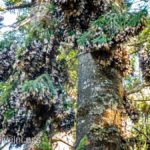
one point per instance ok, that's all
(100, 93)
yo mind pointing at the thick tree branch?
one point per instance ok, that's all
(18, 7)
(1, 148)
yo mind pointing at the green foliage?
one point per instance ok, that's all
(71, 87)
(39, 28)
(9, 113)
(5, 89)
(145, 36)
(14, 2)
(44, 144)
(36, 33)
(143, 139)
(72, 63)
(40, 84)
(109, 25)
(19, 51)
(7, 40)
(51, 7)
(145, 108)
(84, 141)
(23, 16)
(84, 38)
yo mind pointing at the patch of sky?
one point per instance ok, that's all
(138, 5)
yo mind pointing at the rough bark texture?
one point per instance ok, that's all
(99, 97)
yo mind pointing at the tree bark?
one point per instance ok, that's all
(100, 93)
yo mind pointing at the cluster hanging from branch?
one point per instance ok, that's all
(132, 112)
(78, 14)
(121, 61)
(144, 64)
(7, 59)
(38, 98)
(35, 103)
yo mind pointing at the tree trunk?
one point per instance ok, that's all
(100, 94)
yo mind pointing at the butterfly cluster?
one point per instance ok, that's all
(144, 64)
(39, 94)
(7, 59)
(132, 112)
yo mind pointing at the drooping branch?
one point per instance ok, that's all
(141, 133)
(60, 140)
